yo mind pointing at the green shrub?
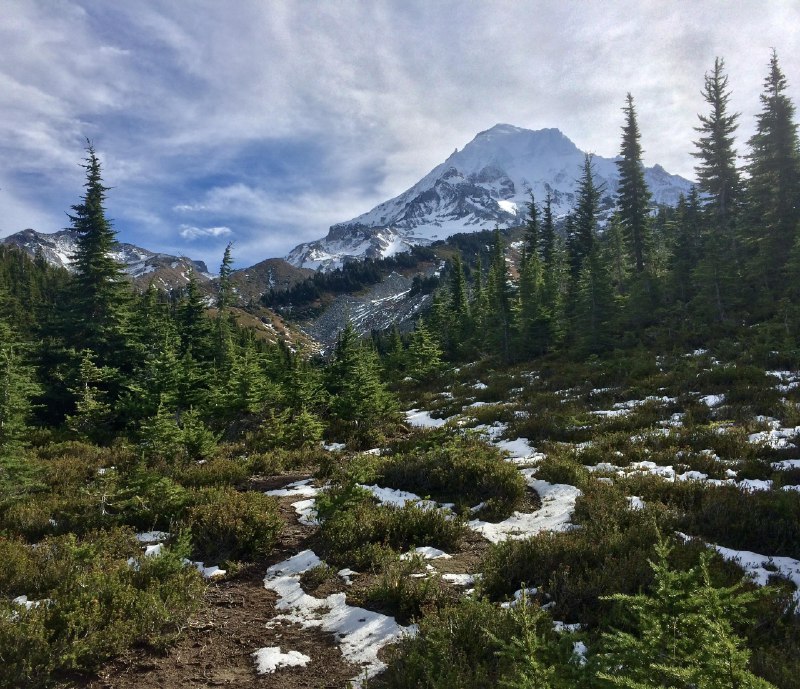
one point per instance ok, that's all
(217, 472)
(608, 554)
(360, 535)
(397, 592)
(463, 470)
(90, 603)
(228, 525)
(474, 645)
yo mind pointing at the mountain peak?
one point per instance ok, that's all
(487, 182)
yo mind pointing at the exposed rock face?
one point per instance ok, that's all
(142, 265)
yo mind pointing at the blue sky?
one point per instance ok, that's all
(263, 122)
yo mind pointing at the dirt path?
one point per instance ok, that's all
(217, 648)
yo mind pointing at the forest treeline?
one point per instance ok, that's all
(726, 259)
(122, 411)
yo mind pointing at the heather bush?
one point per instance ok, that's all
(228, 525)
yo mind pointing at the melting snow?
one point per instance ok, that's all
(423, 419)
(270, 658)
(297, 488)
(360, 633)
(427, 552)
(558, 504)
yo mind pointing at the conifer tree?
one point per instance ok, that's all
(531, 246)
(459, 327)
(683, 634)
(716, 169)
(17, 389)
(360, 404)
(718, 177)
(195, 328)
(685, 252)
(423, 357)
(499, 299)
(773, 189)
(548, 232)
(633, 196)
(225, 293)
(584, 229)
(594, 310)
(101, 296)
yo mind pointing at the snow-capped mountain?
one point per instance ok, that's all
(488, 182)
(59, 247)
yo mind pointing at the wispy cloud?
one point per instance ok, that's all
(279, 119)
(191, 233)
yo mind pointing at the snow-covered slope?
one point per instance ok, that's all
(58, 249)
(488, 182)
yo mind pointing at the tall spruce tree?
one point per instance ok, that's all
(101, 296)
(716, 170)
(499, 299)
(584, 226)
(633, 196)
(718, 178)
(773, 189)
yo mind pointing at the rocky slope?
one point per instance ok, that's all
(142, 265)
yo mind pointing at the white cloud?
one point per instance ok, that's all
(190, 232)
(175, 91)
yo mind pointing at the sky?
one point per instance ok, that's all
(263, 122)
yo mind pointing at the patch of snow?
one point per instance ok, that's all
(427, 552)
(347, 575)
(713, 400)
(360, 633)
(459, 579)
(303, 487)
(521, 450)
(334, 447)
(306, 511)
(786, 464)
(423, 419)
(761, 567)
(558, 504)
(270, 658)
(635, 502)
(152, 536)
(399, 498)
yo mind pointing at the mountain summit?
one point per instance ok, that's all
(488, 182)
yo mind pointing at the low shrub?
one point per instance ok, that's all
(473, 645)
(401, 594)
(361, 534)
(88, 603)
(463, 470)
(228, 525)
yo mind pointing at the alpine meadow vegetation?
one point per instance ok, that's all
(578, 469)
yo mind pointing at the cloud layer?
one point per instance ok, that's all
(264, 123)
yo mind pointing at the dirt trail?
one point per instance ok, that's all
(216, 649)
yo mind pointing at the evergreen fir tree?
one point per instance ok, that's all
(531, 245)
(593, 326)
(548, 232)
(584, 228)
(633, 196)
(716, 169)
(225, 293)
(18, 387)
(101, 296)
(423, 357)
(773, 189)
(682, 636)
(499, 299)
